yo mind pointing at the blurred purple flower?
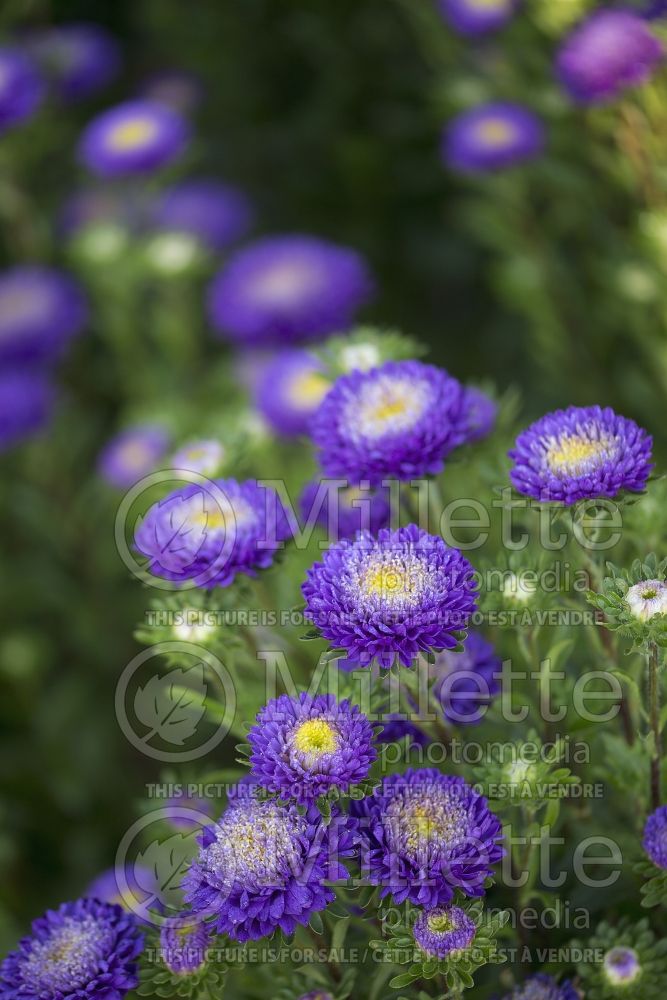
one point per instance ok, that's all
(136, 137)
(133, 454)
(491, 137)
(610, 51)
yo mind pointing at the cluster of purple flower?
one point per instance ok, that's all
(610, 50)
(41, 311)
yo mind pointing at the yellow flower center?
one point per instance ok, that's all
(385, 581)
(316, 737)
(392, 408)
(216, 518)
(61, 950)
(132, 134)
(495, 132)
(309, 390)
(440, 923)
(574, 454)
(392, 579)
(136, 454)
(489, 4)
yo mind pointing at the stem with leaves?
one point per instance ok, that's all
(654, 717)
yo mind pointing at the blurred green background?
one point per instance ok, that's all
(550, 278)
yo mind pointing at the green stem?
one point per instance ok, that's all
(654, 715)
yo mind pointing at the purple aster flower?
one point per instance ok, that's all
(175, 804)
(396, 729)
(477, 17)
(399, 420)
(179, 90)
(184, 945)
(41, 310)
(136, 137)
(289, 390)
(443, 930)
(79, 59)
(480, 414)
(132, 454)
(216, 214)
(621, 966)
(208, 534)
(26, 405)
(581, 453)
(425, 835)
(316, 995)
(655, 837)
(390, 597)
(543, 987)
(21, 88)
(492, 136)
(466, 682)
(264, 865)
(85, 950)
(204, 456)
(288, 288)
(302, 747)
(343, 509)
(610, 51)
(126, 892)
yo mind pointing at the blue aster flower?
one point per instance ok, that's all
(425, 835)
(395, 729)
(303, 747)
(85, 950)
(204, 456)
(543, 987)
(136, 137)
(343, 509)
(390, 597)
(215, 214)
(26, 405)
(285, 289)
(399, 420)
(289, 390)
(583, 452)
(610, 51)
(208, 534)
(621, 966)
(477, 17)
(480, 414)
(655, 837)
(21, 88)
(79, 59)
(125, 892)
(654, 10)
(466, 682)
(184, 944)
(133, 454)
(492, 136)
(41, 311)
(445, 929)
(265, 866)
